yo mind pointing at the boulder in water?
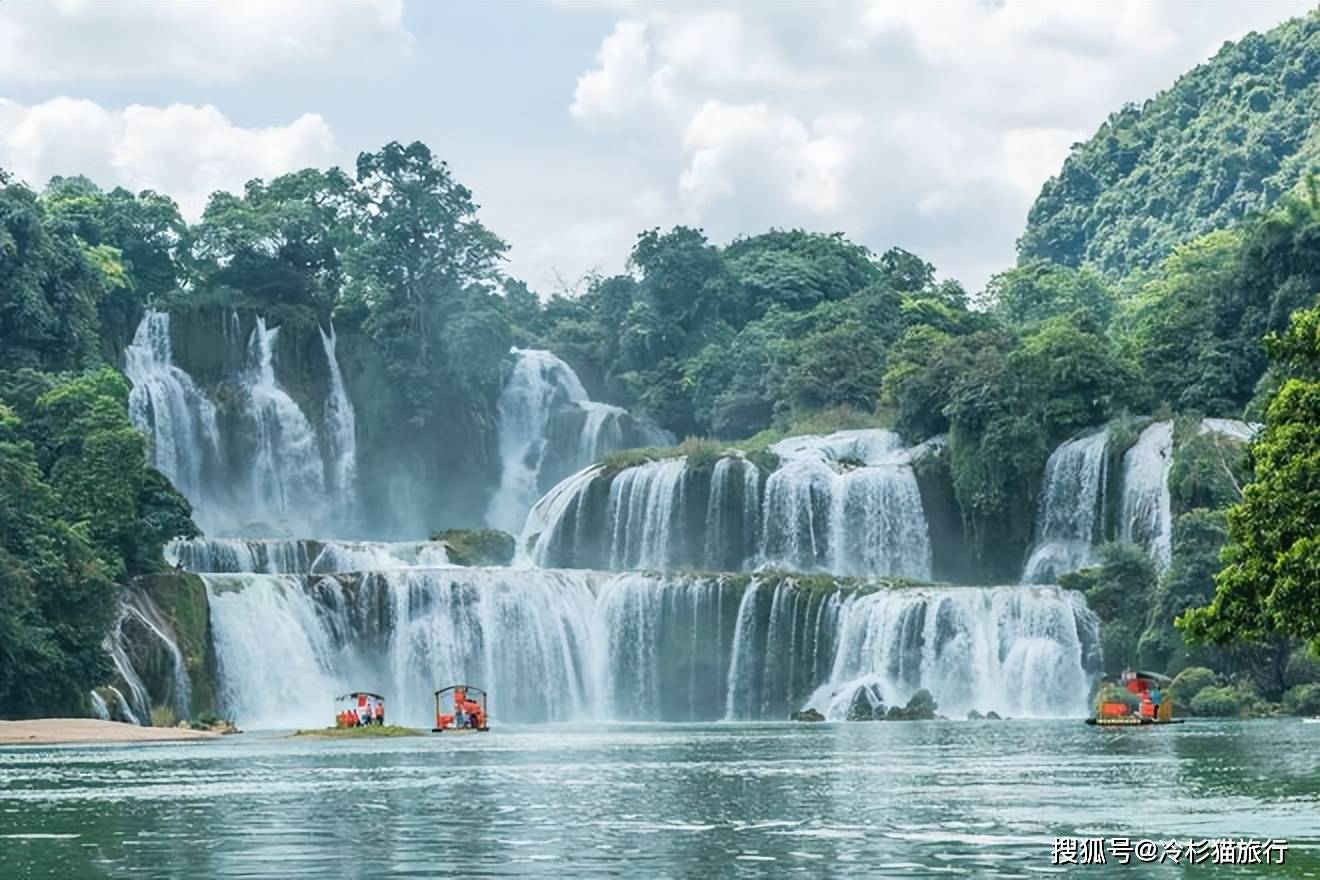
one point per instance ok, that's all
(477, 546)
(867, 704)
(974, 715)
(921, 707)
(992, 715)
(806, 715)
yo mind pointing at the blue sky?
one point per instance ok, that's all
(930, 126)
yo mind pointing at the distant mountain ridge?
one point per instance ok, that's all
(1228, 138)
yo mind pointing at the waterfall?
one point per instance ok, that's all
(1071, 498)
(341, 430)
(563, 645)
(732, 513)
(140, 642)
(846, 503)
(548, 429)
(269, 467)
(279, 556)
(1014, 650)
(288, 475)
(1233, 429)
(165, 405)
(645, 509)
(1146, 515)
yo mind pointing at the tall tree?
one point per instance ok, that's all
(1271, 578)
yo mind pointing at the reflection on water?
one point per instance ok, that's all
(962, 798)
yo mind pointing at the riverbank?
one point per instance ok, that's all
(52, 731)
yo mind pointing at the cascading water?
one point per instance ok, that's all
(846, 503)
(644, 507)
(341, 429)
(1146, 518)
(561, 645)
(547, 430)
(1016, 651)
(732, 513)
(141, 640)
(288, 474)
(278, 556)
(269, 466)
(1071, 499)
(166, 406)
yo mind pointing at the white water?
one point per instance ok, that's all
(287, 481)
(278, 556)
(1233, 429)
(846, 503)
(341, 430)
(166, 406)
(140, 627)
(559, 645)
(1146, 518)
(1069, 522)
(273, 471)
(541, 389)
(644, 515)
(1013, 650)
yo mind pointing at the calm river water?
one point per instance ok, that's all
(869, 800)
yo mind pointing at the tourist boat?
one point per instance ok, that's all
(351, 704)
(466, 713)
(1114, 705)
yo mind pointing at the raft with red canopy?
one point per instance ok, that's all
(460, 708)
(1137, 699)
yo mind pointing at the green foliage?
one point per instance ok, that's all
(1038, 289)
(1208, 471)
(1271, 580)
(1223, 701)
(1190, 682)
(1302, 700)
(1303, 668)
(1198, 536)
(478, 546)
(1119, 591)
(1225, 140)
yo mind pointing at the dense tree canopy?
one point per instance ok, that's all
(1227, 139)
(1271, 580)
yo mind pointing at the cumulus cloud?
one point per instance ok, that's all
(205, 42)
(927, 125)
(185, 151)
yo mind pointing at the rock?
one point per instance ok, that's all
(992, 715)
(867, 704)
(477, 546)
(921, 707)
(974, 716)
(806, 715)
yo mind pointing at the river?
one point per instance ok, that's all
(862, 799)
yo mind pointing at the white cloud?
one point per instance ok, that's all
(625, 81)
(184, 151)
(729, 146)
(927, 125)
(204, 42)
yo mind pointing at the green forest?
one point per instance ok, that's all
(1171, 269)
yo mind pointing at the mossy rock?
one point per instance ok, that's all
(478, 546)
(181, 599)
